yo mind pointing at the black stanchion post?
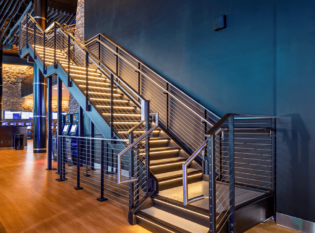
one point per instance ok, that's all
(102, 198)
(131, 172)
(78, 187)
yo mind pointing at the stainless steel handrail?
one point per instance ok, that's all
(132, 179)
(185, 178)
(106, 139)
(97, 62)
(164, 90)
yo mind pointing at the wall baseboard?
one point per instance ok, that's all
(294, 223)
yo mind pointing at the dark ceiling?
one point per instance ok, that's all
(66, 5)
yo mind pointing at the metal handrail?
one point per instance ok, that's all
(107, 139)
(185, 179)
(164, 90)
(132, 179)
(93, 58)
(216, 129)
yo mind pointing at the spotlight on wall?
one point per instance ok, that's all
(219, 23)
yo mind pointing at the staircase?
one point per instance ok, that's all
(118, 107)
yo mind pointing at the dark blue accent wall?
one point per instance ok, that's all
(262, 63)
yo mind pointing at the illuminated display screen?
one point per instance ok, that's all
(12, 123)
(5, 123)
(73, 129)
(10, 115)
(21, 123)
(29, 127)
(65, 129)
(28, 123)
(27, 115)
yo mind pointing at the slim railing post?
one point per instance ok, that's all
(102, 198)
(131, 174)
(167, 107)
(231, 175)
(27, 19)
(55, 46)
(61, 151)
(87, 105)
(139, 78)
(21, 37)
(106, 160)
(147, 144)
(117, 61)
(112, 106)
(212, 184)
(44, 57)
(78, 187)
(69, 54)
(35, 57)
(273, 149)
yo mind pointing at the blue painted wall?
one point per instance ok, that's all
(262, 63)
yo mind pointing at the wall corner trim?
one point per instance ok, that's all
(294, 223)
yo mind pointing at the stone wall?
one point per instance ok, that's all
(73, 104)
(12, 77)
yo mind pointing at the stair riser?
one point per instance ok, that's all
(182, 212)
(158, 144)
(178, 182)
(165, 155)
(151, 226)
(166, 168)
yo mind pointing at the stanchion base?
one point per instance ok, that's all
(78, 188)
(51, 169)
(101, 199)
(59, 180)
(87, 175)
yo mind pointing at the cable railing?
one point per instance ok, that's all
(111, 96)
(90, 163)
(174, 106)
(240, 163)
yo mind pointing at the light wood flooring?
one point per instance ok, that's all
(31, 200)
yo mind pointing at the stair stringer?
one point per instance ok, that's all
(93, 114)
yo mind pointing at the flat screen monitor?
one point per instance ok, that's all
(54, 116)
(73, 129)
(27, 115)
(10, 115)
(20, 123)
(65, 129)
(12, 123)
(28, 123)
(5, 124)
(29, 127)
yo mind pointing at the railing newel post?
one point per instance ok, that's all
(69, 54)
(102, 198)
(78, 187)
(44, 49)
(212, 183)
(111, 106)
(87, 105)
(131, 174)
(231, 175)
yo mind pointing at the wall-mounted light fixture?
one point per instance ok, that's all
(219, 23)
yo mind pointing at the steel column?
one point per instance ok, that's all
(131, 175)
(59, 116)
(49, 122)
(40, 111)
(147, 144)
(1, 74)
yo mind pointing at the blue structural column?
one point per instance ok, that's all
(1, 93)
(40, 111)
(40, 89)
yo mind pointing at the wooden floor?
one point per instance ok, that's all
(31, 200)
